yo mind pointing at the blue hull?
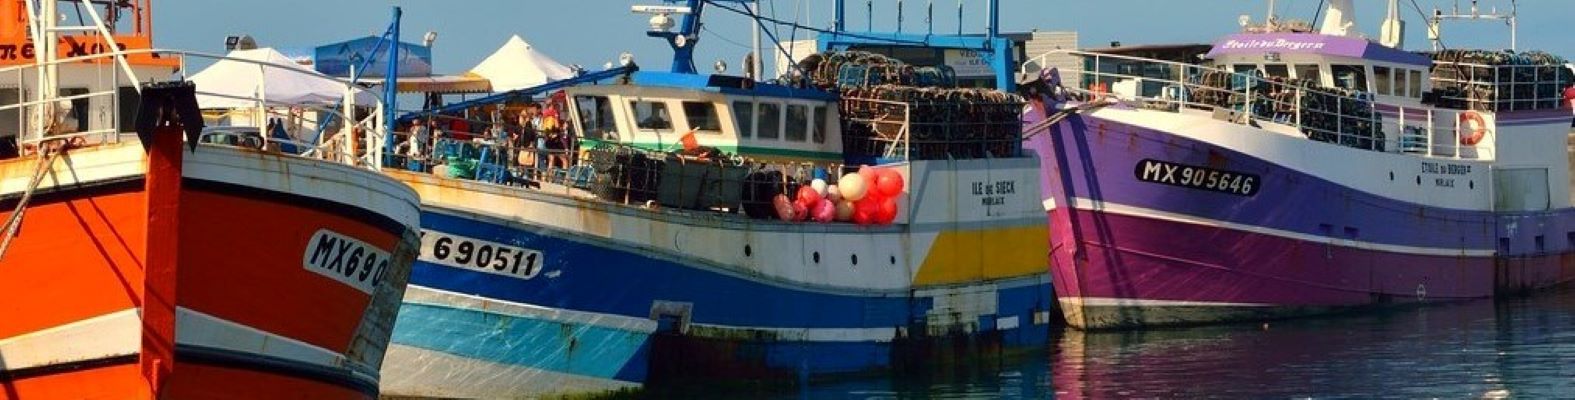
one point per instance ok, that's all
(602, 316)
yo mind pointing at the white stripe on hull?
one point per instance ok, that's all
(120, 334)
(195, 328)
(441, 298)
(1120, 302)
(110, 335)
(287, 174)
(416, 294)
(1134, 211)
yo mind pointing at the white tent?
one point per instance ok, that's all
(517, 65)
(236, 84)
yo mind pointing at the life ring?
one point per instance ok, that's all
(1477, 131)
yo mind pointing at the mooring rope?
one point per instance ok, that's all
(14, 222)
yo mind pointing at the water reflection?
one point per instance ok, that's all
(1521, 348)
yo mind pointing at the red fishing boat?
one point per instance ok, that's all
(153, 265)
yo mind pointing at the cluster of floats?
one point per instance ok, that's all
(858, 214)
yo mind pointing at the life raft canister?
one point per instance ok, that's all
(1474, 128)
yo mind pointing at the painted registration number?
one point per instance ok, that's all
(480, 255)
(1193, 177)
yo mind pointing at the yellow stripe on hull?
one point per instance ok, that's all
(965, 256)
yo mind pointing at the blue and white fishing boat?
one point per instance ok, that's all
(638, 267)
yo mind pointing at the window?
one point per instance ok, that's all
(770, 118)
(744, 116)
(1416, 84)
(1381, 80)
(1308, 72)
(1277, 70)
(596, 116)
(129, 101)
(1400, 82)
(1244, 68)
(797, 123)
(11, 120)
(651, 115)
(702, 117)
(820, 124)
(79, 107)
(1349, 77)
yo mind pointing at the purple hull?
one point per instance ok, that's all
(1128, 252)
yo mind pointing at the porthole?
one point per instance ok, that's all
(816, 256)
(855, 259)
(748, 252)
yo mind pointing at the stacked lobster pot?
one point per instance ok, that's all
(1491, 80)
(894, 110)
(1326, 114)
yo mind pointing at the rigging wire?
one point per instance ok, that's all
(761, 20)
(723, 38)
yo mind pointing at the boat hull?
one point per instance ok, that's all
(630, 298)
(125, 284)
(1135, 246)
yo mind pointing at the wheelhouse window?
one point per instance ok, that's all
(1381, 80)
(596, 116)
(797, 123)
(1308, 72)
(1349, 77)
(702, 117)
(820, 127)
(651, 115)
(1400, 82)
(744, 116)
(1277, 70)
(770, 118)
(1416, 84)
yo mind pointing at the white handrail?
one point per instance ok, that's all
(369, 126)
(1256, 91)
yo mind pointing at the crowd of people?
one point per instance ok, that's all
(530, 138)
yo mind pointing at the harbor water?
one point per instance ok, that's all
(1508, 348)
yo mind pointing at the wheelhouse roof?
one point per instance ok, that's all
(1315, 44)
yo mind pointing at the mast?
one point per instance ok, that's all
(1339, 19)
(1392, 34)
(44, 25)
(1435, 30)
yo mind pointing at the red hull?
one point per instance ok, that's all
(90, 290)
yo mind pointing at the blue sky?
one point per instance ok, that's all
(593, 32)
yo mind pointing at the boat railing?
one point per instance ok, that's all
(1332, 115)
(1496, 88)
(331, 145)
(905, 123)
(705, 182)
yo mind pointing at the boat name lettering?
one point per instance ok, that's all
(1445, 168)
(994, 193)
(480, 255)
(347, 260)
(27, 51)
(1203, 178)
(1274, 44)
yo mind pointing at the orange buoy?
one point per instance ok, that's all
(1473, 123)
